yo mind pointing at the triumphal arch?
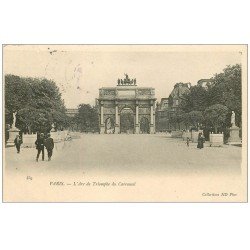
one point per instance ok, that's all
(126, 108)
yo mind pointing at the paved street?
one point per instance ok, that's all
(127, 154)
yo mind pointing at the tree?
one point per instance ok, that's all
(87, 118)
(17, 94)
(38, 103)
(216, 115)
(226, 90)
(195, 118)
(186, 120)
(173, 119)
(177, 118)
(26, 119)
(195, 100)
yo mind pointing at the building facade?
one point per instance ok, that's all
(126, 108)
(168, 108)
(162, 116)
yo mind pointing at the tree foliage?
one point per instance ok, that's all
(38, 103)
(195, 100)
(195, 118)
(216, 116)
(87, 118)
(186, 119)
(176, 118)
(225, 90)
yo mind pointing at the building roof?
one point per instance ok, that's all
(180, 89)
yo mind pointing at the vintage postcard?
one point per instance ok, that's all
(125, 123)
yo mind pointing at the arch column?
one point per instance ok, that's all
(137, 129)
(152, 118)
(102, 126)
(117, 119)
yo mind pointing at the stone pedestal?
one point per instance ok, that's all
(29, 140)
(216, 139)
(234, 135)
(13, 132)
(194, 136)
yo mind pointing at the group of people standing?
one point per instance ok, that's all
(40, 143)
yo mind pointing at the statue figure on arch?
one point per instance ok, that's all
(126, 79)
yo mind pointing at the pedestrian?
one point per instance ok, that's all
(18, 141)
(200, 141)
(49, 144)
(188, 141)
(40, 146)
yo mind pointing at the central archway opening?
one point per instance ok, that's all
(127, 121)
(144, 125)
(109, 126)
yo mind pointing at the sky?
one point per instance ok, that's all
(80, 70)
